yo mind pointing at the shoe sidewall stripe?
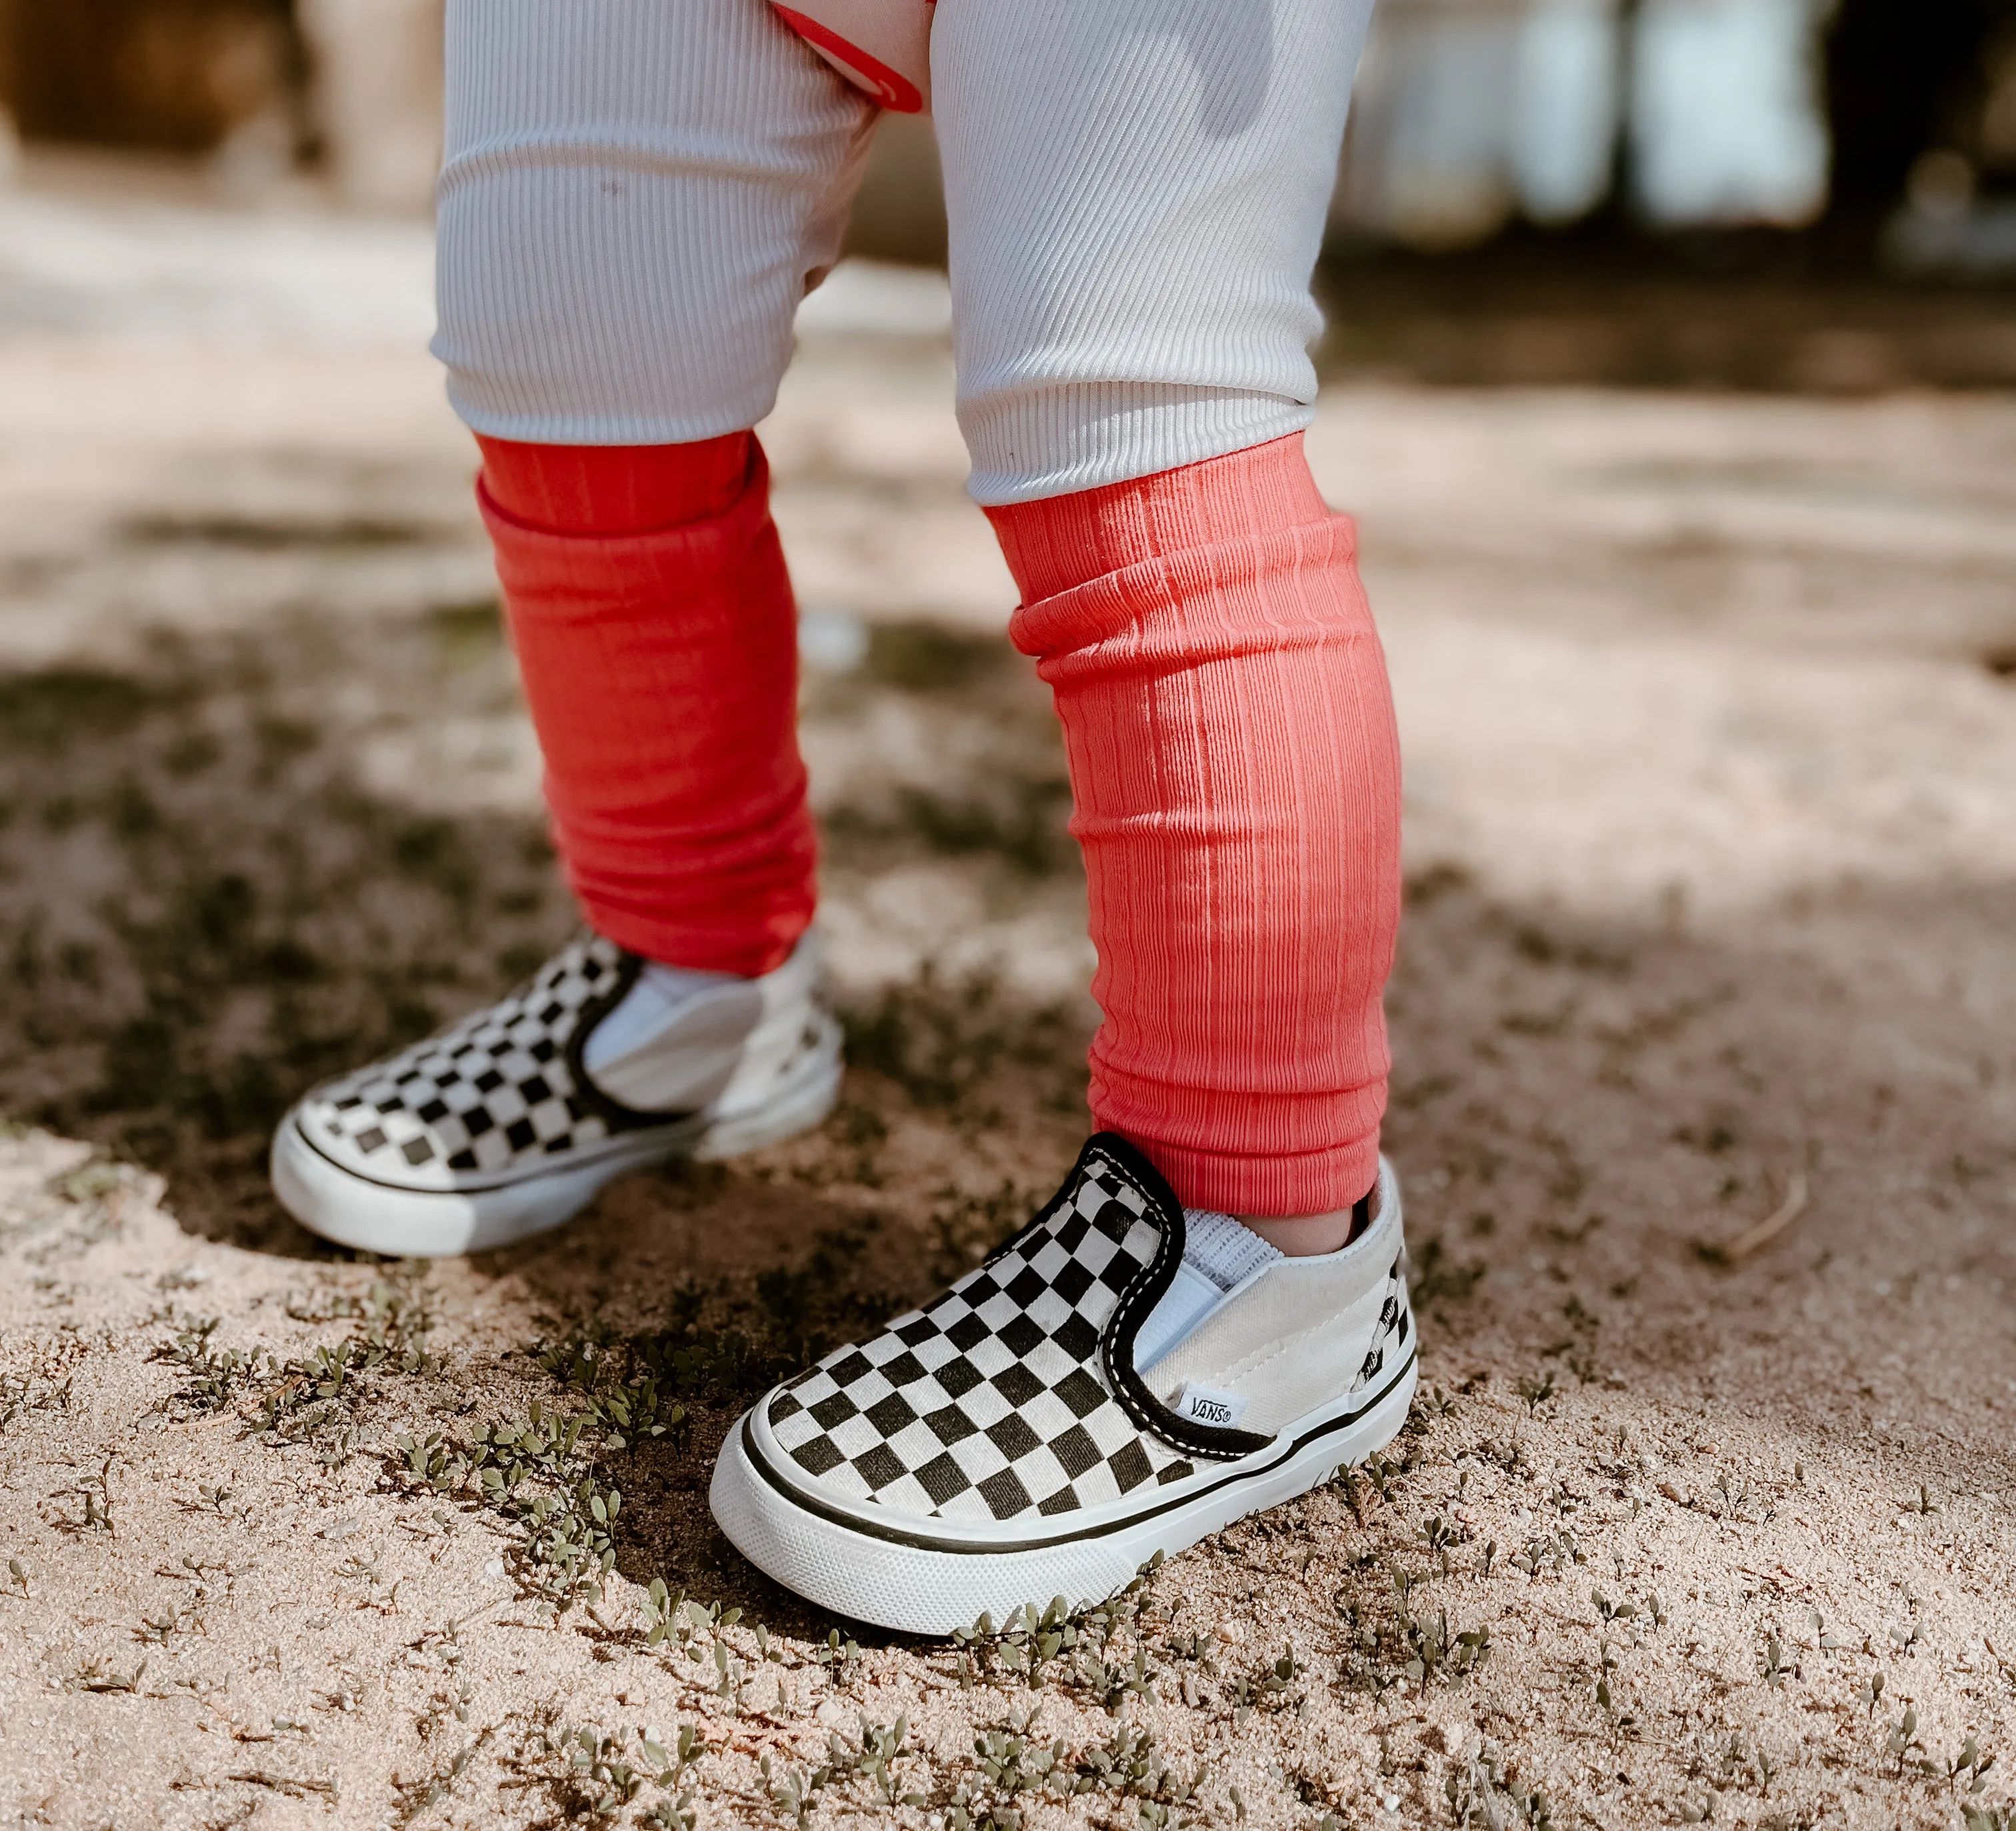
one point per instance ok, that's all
(920, 1541)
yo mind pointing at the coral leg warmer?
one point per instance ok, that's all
(1235, 774)
(655, 629)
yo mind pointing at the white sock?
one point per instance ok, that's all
(650, 1006)
(1219, 1255)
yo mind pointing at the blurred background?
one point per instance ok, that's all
(1768, 146)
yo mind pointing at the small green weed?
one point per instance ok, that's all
(1071, 1645)
(1484, 1789)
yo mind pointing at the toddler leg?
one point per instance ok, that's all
(633, 197)
(1136, 187)
(1137, 194)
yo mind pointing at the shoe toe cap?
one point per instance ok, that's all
(386, 1146)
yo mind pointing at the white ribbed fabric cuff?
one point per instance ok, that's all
(1098, 433)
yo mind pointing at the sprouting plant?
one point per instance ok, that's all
(445, 1703)
(1435, 1650)
(158, 1627)
(416, 1796)
(92, 1676)
(1736, 1764)
(1903, 1737)
(1130, 1763)
(1482, 1789)
(1435, 1402)
(94, 1491)
(537, 1472)
(357, 1568)
(1743, 1501)
(1070, 1643)
(659, 1612)
(1011, 1767)
(1440, 1534)
(1556, 1551)
(672, 1814)
(1032, 1639)
(1271, 1685)
(1621, 1717)
(601, 1773)
(881, 1747)
(623, 1390)
(1510, 1455)
(840, 1657)
(668, 1759)
(18, 1394)
(791, 1790)
(603, 1779)
(1382, 1471)
(1613, 1611)
(19, 1571)
(1113, 1683)
(1968, 1768)
(1009, 1763)
(214, 1376)
(1537, 1392)
(729, 1671)
(1776, 1667)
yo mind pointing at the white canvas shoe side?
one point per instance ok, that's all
(510, 1121)
(1007, 1443)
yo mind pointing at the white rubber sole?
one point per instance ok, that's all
(417, 1224)
(866, 1571)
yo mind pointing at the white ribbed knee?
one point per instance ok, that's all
(636, 190)
(1137, 191)
(633, 194)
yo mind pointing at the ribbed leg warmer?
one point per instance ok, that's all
(1236, 779)
(656, 632)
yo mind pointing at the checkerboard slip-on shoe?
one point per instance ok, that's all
(510, 1122)
(1072, 1407)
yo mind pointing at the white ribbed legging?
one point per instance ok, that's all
(636, 193)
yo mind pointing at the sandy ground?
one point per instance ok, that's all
(1712, 744)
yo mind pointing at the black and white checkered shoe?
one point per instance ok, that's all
(1062, 1413)
(510, 1122)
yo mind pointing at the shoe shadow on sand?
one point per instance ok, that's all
(1592, 1124)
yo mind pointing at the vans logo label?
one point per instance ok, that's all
(1203, 1404)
